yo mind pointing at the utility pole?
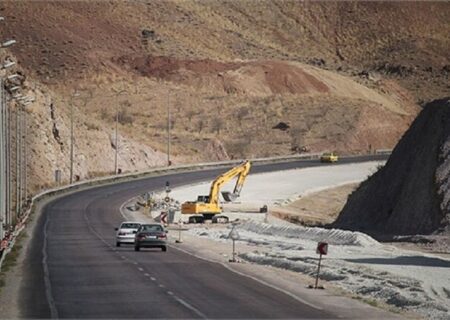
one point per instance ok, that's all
(168, 130)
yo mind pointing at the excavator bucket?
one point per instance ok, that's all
(229, 196)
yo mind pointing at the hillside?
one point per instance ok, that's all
(410, 194)
(76, 39)
(242, 78)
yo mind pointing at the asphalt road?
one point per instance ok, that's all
(73, 270)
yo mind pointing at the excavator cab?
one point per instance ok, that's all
(204, 199)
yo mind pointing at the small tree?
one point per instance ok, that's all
(242, 113)
(125, 118)
(190, 114)
(216, 125)
(200, 125)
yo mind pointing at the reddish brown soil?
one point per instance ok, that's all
(164, 67)
(285, 78)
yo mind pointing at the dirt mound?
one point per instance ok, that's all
(411, 193)
(164, 67)
(253, 77)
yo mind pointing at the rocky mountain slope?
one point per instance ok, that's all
(411, 193)
(241, 78)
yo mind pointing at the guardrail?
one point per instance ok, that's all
(139, 175)
(383, 151)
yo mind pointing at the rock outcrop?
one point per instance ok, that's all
(411, 193)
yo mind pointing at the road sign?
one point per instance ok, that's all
(322, 248)
(163, 217)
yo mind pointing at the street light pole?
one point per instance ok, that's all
(116, 132)
(71, 143)
(116, 143)
(168, 130)
(8, 159)
(25, 190)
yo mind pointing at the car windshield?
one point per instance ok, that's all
(151, 227)
(130, 226)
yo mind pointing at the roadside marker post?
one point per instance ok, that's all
(322, 249)
(234, 235)
(179, 232)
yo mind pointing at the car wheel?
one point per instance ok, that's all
(117, 244)
(136, 248)
(164, 248)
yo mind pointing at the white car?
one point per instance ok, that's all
(126, 232)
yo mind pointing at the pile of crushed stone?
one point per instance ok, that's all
(411, 193)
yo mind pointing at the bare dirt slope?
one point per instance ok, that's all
(343, 76)
(316, 209)
(410, 194)
(406, 41)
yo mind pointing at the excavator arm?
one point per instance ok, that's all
(241, 171)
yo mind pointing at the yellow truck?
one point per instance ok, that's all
(208, 206)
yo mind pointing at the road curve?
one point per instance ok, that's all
(73, 270)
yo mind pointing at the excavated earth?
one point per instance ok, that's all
(410, 195)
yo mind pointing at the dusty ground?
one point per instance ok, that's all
(317, 208)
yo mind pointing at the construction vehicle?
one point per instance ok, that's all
(208, 207)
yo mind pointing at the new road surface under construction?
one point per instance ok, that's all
(72, 268)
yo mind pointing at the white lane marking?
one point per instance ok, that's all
(179, 300)
(120, 209)
(253, 278)
(135, 262)
(140, 269)
(190, 307)
(161, 286)
(122, 257)
(48, 287)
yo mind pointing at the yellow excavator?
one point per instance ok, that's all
(208, 207)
